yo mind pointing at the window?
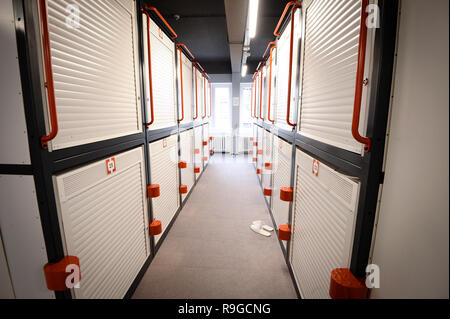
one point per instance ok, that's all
(221, 120)
(245, 119)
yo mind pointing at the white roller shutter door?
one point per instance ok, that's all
(329, 72)
(163, 77)
(104, 222)
(95, 71)
(187, 88)
(323, 224)
(282, 160)
(164, 172)
(187, 155)
(283, 54)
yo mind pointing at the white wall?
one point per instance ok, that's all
(412, 240)
(13, 131)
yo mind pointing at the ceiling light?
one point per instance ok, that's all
(253, 17)
(244, 70)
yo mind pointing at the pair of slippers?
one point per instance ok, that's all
(258, 227)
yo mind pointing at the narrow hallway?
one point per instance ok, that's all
(211, 252)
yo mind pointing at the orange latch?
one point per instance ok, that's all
(255, 159)
(205, 143)
(155, 228)
(286, 194)
(196, 151)
(153, 191)
(255, 143)
(56, 273)
(182, 164)
(268, 166)
(260, 152)
(251, 139)
(344, 285)
(197, 170)
(210, 138)
(211, 152)
(183, 189)
(258, 171)
(205, 158)
(284, 232)
(267, 191)
(250, 152)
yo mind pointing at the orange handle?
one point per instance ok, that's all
(270, 82)
(286, 9)
(48, 76)
(260, 92)
(199, 67)
(196, 95)
(251, 94)
(181, 80)
(291, 57)
(360, 79)
(204, 98)
(256, 84)
(182, 45)
(174, 35)
(150, 82)
(268, 46)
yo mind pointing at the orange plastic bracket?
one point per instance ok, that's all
(210, 138)
(284, 232)
(56, 273)
(205, 158)
(260, 152)
(197, 151)
(344, 285)
(197, 170)
(211, 152)
(250, 152)
(255, 159)
(251, 139)
(205, 143)
(155, 228)
(183, 189)
(153, 191)
(255, 143)
(267, 191)
(286, 194)
(268, 166)
(182, 164)
(258, 171)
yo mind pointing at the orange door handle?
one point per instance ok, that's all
(261, 92)
(204, 97)
(174, 35)
(48, 76)
(150, 82)
(291, 58)
(270, 81)
(155, 228)
(360, 79)
(251, 104)
(196, 95)
(286, 9)
(182, 45)
(181, 80)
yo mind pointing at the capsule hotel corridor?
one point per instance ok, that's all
(226, 153)
(210, 252)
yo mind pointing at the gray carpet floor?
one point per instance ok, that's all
(211, 252)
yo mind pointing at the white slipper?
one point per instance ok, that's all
(260, 231)
(265, 227)
(268, 228)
